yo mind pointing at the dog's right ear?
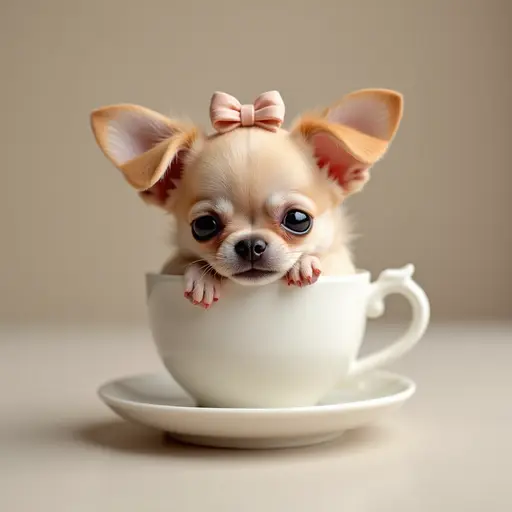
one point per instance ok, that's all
(147, 147)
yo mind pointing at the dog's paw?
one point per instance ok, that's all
(201, 287)
(305, 272)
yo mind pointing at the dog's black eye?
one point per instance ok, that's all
(206, 227)
(297, 222)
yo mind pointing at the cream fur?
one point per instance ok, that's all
(250, 177)
(248, 168)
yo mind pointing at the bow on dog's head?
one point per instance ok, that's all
(227, 113)
(152, 151)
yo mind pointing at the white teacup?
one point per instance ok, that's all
(276, 346)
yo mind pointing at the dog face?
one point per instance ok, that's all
(251, 202)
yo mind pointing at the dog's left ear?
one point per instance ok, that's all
(349, 137)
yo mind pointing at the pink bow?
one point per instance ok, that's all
(227, 113)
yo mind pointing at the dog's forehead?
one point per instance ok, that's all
(250, 164)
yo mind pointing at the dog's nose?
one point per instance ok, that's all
(250, 249)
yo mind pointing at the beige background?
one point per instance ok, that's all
(76, 240)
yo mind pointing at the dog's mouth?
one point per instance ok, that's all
(255, 276)
(254, 273)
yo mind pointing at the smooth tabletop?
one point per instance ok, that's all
(62, 449)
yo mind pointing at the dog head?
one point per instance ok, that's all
(252, 198)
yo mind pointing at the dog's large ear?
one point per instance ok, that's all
(147, 147)
(349, 137)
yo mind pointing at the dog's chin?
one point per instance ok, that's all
(255, 277)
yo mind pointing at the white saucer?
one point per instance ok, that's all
(157, 401)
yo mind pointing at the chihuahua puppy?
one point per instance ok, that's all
(253, 202)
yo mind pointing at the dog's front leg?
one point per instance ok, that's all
(306, 271)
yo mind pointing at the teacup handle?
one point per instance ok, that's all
(395, 281)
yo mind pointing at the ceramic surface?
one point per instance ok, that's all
(277, 346)
(157, 401)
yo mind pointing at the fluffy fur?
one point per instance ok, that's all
(249, 179)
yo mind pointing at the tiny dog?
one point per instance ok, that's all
(253, 202)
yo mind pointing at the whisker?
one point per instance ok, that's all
(207, 268)
(194, 262)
